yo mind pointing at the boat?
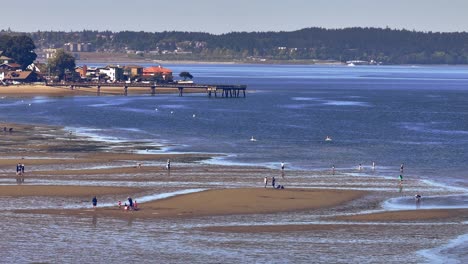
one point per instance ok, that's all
(252, 139)
(328, 138)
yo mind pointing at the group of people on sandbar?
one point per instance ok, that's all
(273, 183)
(132, 205)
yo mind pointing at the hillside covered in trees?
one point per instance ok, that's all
(387, 46)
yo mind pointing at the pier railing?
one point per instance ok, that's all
(224, 90)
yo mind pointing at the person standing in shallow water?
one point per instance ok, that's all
(400, 180)
(94, 201)
(282, 165)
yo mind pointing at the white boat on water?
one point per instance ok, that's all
(253, 139)
(328, 138)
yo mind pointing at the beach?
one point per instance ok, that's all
(33, 90)
(212, 205)
(63, 180)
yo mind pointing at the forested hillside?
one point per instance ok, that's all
(383, 45)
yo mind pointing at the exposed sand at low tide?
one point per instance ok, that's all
(228, 202)
(30, 90)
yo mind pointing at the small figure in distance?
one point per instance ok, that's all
(282, 165)
(94, 202)
(400, 180)
(265, 180)
(401, 167)
(273, 181)
(417, 197)
(360, 167)
(373, 165)
(333, 169)
(168, 164)
(119, 204)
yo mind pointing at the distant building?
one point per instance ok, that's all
(77, 47)
(115, 73)
(5, 59)
(158, 71)
(9, 67)
(82, 70)
(20, 76)
(133, 70)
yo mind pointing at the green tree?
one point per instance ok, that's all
(20, 48)
(61, 62)
(186, 75)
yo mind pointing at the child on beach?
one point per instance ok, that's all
(119, 204)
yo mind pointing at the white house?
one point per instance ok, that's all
(115, 73)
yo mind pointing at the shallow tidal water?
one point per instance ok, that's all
(390, 115)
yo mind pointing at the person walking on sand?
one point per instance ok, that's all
(130, 202)
(273, 182)
(282, 165)
(94, 202)
(135, 205)
(417, 197)
(265, 180)
(168, 164)
(119, 204)
(22, 168)
(400, 180)
(18, 169)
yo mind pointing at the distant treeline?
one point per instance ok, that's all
(387, 46)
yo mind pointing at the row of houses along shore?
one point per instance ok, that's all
(12, 73)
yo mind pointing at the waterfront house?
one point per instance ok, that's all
(20, 76)
(5, 59)
(158, 71)
(133, 71)
(10, 66)
(113, 72)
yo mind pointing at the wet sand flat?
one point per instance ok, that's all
(62, 191)
(228, 202)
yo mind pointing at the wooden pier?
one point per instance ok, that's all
(223, 91)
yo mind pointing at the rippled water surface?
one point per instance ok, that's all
(390, 115)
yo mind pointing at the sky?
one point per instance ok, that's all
(224, 16)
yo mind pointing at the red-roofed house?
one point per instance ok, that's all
(9, 67)
(20, 76)
(156, 71)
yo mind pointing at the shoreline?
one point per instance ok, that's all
(63, 174)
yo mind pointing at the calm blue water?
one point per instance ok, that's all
(390, 115)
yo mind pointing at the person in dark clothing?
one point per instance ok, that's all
(94, 202)
(130, 202)
(273, 181)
